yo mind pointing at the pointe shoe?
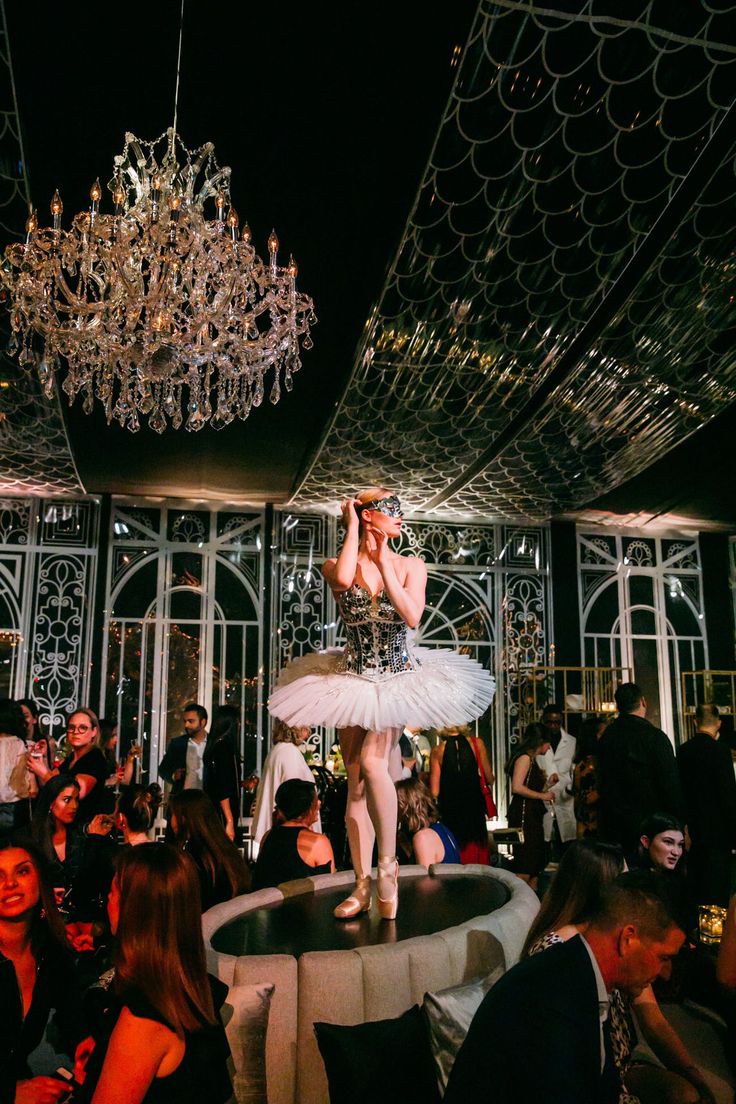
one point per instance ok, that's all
(358, 901)
(388, 906)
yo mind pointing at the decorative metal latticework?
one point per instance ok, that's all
(642, 607)
(35, 457)
(560, 309)
(48, 569)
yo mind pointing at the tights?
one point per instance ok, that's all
(371, 808)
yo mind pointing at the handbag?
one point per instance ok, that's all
(485, 789)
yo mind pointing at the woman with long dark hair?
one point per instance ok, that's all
(36, 972)
(221, 780)
(575, 889)
(161, 1039)
(530, 798)
(198, 831)
(455, 766)
(79, 857)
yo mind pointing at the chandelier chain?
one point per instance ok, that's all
(178, 74)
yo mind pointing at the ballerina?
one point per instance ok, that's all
(379, 683)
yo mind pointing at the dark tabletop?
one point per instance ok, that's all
(305, 922)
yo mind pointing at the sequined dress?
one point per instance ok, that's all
(380, 679)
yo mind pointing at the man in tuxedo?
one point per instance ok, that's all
(542, 1031)
(709, 788)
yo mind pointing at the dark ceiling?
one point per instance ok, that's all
(328, 114)
(325, 113)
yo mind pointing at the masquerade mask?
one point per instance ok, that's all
(390, 506)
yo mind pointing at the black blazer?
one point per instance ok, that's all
(536, 1036)
(637, 776)
(709, 786)
(174, 759)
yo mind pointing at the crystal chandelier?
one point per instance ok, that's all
(162, 309)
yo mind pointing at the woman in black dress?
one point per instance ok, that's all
(528, 803)
(291, 850)
(160, 1039)
(80, 859)
(36, 973)
(454, 779)
(222, 767)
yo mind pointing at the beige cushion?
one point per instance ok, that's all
(281, 970)
(331, 990)
(245, 1014)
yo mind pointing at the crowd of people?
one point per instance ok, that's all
(101, 926)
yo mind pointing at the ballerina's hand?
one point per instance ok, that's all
(350, 514)
(376, 544)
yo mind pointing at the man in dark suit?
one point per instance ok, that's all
(709, 787)
(541, 1033)
(183, 763)
(637, 772)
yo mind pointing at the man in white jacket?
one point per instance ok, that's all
(557, 763)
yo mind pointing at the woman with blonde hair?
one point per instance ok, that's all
(161, 1038)
(378, 684)
(430, 841)
(284, 761)
(85, 763)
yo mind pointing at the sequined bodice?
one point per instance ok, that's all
(376, 644)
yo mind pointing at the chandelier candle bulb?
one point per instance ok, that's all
(57, 208)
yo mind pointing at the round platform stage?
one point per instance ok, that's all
(455, 923)
(304, 922)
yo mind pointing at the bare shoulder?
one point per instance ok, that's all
(139, 1031)
(412, 566)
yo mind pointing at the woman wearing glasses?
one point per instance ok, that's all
(85, 763)
(378, 684)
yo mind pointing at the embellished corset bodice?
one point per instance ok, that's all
(376, 645)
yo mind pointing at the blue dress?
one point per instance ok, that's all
(452, 852)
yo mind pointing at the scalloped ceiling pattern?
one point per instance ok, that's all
(559, 312)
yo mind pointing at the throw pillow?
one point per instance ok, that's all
(249, 1006)
(449, 1014)
(384, 1060)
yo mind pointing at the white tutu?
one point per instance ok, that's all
(444, 689)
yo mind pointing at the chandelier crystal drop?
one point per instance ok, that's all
(162, 309)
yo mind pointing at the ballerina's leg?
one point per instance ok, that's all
(358, 822)
(375, 754)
